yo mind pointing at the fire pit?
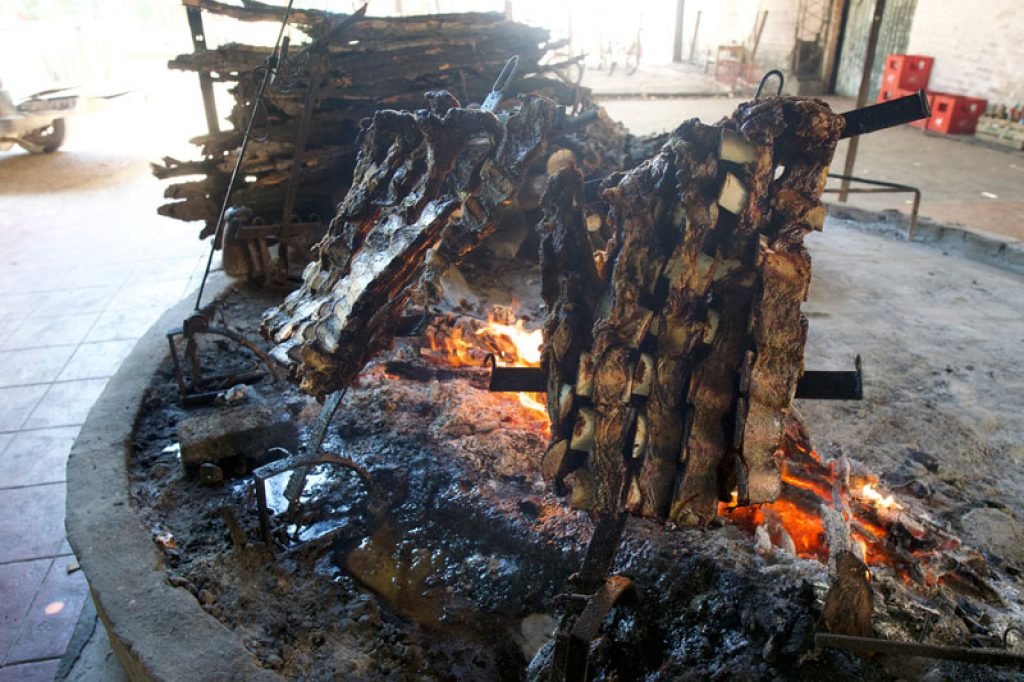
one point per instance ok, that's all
(728, 610)
(422, 531)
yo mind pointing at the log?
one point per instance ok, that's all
(849, 603)
(379, 63)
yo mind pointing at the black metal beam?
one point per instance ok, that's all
(825, 385)
(886, 115)
(813, 385)
(872, 646)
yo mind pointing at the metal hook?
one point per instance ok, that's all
(501, 84)
(764, 79)
(505, 77)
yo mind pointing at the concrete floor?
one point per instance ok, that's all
(88, 266)
(976, 185)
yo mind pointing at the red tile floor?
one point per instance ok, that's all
(86, 266)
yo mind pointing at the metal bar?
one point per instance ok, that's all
(862, 94)
(501, 83)
(759, 23)
(891, 187)
(572, 646)
(195, 25)
(238, 538)
(518, 380)
(832, 385)
(872, 645)
(179, 373)
(264, 510)
(246, 137)
(296, 463)
(293, 490)
(677, 39)
(886, 114)
(831, 48)
(312, 100)
(604, 544)
(276, 230)
(813, 385)
(696, 32)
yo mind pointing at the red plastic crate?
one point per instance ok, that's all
(955, 114)
(907, 71)
(886, 93)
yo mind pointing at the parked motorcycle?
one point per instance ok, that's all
(38, 124)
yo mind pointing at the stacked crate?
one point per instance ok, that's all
(905, 74)
(955, 114)
(952, 114)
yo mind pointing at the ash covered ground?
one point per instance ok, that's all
(457, 577)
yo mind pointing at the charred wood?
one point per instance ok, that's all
(379, 63)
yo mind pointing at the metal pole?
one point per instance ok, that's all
(862, 94)
(871, 645)
(696, 30)
(677, 43)
(195, 25)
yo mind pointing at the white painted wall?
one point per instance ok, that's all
(978, 47)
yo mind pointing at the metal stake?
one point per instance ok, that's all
(862, 94)
(872, 645)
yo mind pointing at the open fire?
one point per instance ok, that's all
(670, 361)
(794, 521)
(882, 531)
(460, 341)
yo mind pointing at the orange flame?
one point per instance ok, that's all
(465, 343)
(868, 492)
(809, 482)
(526, 343)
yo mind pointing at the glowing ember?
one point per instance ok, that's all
(525, 342)
(808, 484)
(868, 492)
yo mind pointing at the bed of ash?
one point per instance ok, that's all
(454, 573)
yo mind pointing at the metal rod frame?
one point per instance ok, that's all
(873, 645)
(881, 187)
(862, 93)
(195, 25)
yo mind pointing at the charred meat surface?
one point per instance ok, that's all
(429, 187)
(670, 376)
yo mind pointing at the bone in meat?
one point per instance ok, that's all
(707, 277)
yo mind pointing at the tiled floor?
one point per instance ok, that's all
(86, 267)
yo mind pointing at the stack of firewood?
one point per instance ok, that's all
(377, 63)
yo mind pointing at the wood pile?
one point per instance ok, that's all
(374, 64)
(673, 354)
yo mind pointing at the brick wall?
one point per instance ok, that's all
(978, 46)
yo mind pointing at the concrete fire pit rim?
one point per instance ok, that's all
(158, 632)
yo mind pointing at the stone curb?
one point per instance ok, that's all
(157, 631)
(996, 250)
